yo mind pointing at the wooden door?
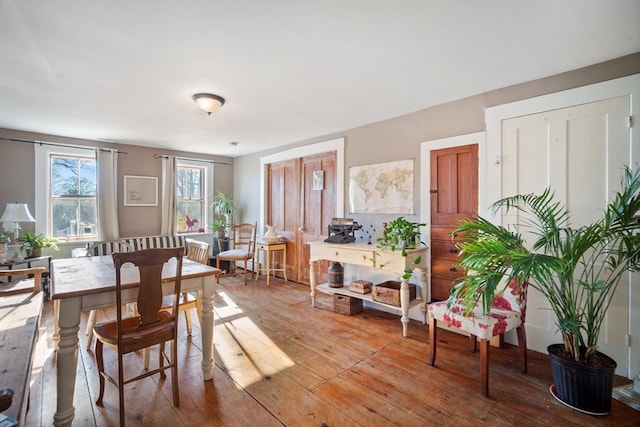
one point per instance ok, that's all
(301, 212)
(454, 196)
(282, 207)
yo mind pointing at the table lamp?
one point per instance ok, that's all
(16, 213)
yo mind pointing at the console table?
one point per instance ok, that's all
(381, 260)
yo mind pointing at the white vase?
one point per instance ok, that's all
(271, 235)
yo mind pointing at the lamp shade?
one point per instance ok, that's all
(208, 102)
(17, 212)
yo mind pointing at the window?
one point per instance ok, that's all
(72, 198)
(66, 192)
(191, 196)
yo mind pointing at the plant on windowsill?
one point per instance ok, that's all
(33, 243)
(577, 269)
(401, 234)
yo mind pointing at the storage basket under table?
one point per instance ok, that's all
(346, 305)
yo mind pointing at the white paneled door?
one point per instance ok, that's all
(579, 152)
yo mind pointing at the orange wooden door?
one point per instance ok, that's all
(454, 196)
(301, 212)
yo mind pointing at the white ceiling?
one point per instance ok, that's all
(125, 71)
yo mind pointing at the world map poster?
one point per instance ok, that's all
(382, 188)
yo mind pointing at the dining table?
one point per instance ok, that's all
(88, 283)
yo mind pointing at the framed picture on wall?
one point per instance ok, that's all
(140, 190)
(318, 180)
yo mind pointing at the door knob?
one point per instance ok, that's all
(453, 269)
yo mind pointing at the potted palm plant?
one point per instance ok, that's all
(577, 269)
(222, 205)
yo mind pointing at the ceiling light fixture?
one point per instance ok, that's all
(208, 102)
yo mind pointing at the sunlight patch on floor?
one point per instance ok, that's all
(248, 354)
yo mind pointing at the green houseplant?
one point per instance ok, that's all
(222, 204)
(401, 234)
(33, 243)
(577, 269)
(219, 226)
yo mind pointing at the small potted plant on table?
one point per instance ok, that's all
(33, 243)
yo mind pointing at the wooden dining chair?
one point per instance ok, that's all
(106, 247)
(150, 327)
(199, 252)
(243, 247)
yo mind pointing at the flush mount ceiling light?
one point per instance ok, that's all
(208, 102)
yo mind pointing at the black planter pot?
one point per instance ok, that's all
(585, 388)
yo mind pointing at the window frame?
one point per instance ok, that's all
(43, 199)
(207, 193)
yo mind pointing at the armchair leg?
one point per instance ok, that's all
(522, 345)
(484, 366)
(432, 340)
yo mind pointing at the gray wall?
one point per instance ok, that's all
(394, 139)
(399, 138)
(18, 181)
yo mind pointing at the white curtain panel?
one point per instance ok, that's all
(108, 228)
(168, 196)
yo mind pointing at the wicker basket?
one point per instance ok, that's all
(389, 292)
(346, 305)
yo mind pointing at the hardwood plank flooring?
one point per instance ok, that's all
(278, 362)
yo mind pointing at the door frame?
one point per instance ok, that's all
(623, 86)
(336, 145)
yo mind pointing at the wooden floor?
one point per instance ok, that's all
(280, 362)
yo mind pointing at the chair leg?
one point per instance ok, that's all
(174, 372)
(187, 318)
(484, 366)
(432, 340)
(100, 371)
(473, 340)
(163, 375)
(522, 345)
(121, 386)
(91, 322)
(145, 357)
(246, 272)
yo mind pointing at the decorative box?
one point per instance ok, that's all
(389, 292)
(360, 286)
(346, 305)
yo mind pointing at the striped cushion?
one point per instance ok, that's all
(153, 242)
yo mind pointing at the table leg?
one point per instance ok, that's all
(404, 306)
(206, 316)
(67, 359)
(422, 273)
(312, 281)
(268, 266)
(284, 263)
